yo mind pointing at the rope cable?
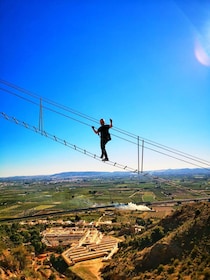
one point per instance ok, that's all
(84, 151)
(178, 153)
(149, 142)
(95, 120)
(64, 142)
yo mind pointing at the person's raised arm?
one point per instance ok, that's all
(96, 131)
(110, 126)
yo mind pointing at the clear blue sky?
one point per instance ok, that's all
(145, 64)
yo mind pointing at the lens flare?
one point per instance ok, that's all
(201, 54)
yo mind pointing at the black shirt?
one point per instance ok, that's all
(104, 131)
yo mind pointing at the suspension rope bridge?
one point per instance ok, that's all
(83, 151)
(64, 111)
(63, 142)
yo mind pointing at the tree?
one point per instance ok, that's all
(157, 234)
(77, 218)
(26, 235)
(20, 253)
(140, 221)
(58, 263)
(52, 277)
(16, 238)
(39, 247)
(8, 262)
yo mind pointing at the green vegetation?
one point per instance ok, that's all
(148, 197)
(31, 198)
(175, 247)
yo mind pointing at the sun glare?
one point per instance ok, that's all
(202, 47)
(201, 54)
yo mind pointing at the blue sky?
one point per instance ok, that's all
(145, 64)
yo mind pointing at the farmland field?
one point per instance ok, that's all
(20, 199)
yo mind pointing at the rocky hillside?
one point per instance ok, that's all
(177, 247)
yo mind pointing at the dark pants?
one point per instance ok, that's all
(103, 149)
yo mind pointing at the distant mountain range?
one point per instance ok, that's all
(183, 171)
(100, 174)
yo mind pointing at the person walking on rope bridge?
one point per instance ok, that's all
(103, 131)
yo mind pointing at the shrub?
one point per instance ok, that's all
(171, 270)
(176, 262)
(160, 268)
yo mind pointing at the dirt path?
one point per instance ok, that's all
(89, 270)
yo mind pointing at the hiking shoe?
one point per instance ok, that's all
(105, 159)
